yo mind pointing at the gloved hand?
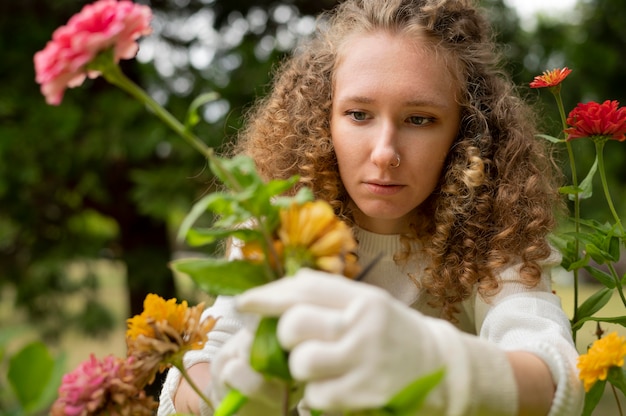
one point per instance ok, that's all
(230, 369)
(356, 347)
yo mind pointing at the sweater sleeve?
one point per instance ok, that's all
(229, 322)
(532, 320)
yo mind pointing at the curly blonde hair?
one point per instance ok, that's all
(495, 200)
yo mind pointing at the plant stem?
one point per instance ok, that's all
(618, 283)
(619, 406)
(115, 76)
(572, 162)
(183, 372)
(600, 154)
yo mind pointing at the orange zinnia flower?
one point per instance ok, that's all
(163, 332)
(313, 236)
(605, 353)
(550, 78)
(597, 121)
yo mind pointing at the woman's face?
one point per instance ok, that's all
(391, 98)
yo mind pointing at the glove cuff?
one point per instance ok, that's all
(494, 388)
(479, 378)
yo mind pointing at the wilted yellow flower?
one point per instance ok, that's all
(314, 237)
(163, 332)
(605, 353)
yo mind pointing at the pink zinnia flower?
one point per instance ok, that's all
(593, 120)
(97, 27)
(109, 386)
(550, 78)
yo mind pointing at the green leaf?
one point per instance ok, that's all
(614, 248)
(597, 254)
(586, 185)
(601, 276)
(231, 404)
(409, 400)
(267, 356)
(303, 195)
(593, 396)
(30, 370)
(202, 236)
(237, 173)
(51, 390)
(222, 276)
(197, 210)
(572, 191)
(617, 377)
(192, 113)
(619, 320)
(594, 303)
(578, 264)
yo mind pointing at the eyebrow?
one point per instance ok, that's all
(411, 103)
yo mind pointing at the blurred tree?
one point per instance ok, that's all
(591, 40)
(100, 178)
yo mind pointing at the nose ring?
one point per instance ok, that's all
(397, 164)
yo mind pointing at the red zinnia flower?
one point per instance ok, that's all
(593, 120)
(97, 27)
(550, 78)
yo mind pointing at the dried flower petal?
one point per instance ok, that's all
(550, 78)
(163, 332)
(606, 121)
(97, 27)
(605, 353)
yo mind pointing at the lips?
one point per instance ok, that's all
(383, 189)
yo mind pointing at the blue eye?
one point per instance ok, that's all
(357, 115)
(419, 120)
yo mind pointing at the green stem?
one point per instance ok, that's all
(179, 365)
(572, 161)
(619, 406)
(618, 283)
(115, 76)
(600, 154)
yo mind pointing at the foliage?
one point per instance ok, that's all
(591, 239)
(32, 373)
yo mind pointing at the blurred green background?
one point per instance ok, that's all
(92, 191)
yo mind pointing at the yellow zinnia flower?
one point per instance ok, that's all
(164, 331)
(312, 236)
(605, 353)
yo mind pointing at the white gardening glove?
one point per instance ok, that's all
(230, 369)
(356, 347)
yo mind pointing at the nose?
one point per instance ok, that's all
(385, 149)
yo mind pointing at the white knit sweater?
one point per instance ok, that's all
(516, 319)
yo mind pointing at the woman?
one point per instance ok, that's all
(397, 114)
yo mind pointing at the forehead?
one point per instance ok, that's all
(394, 63)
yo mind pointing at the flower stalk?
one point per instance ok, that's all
(178, 363)
(600, 142)
(113, 74)
(556, 93)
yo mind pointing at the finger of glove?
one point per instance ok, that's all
(339, 394)
(309, 322)
(238, 346)
(306, 286)
(319, 360)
